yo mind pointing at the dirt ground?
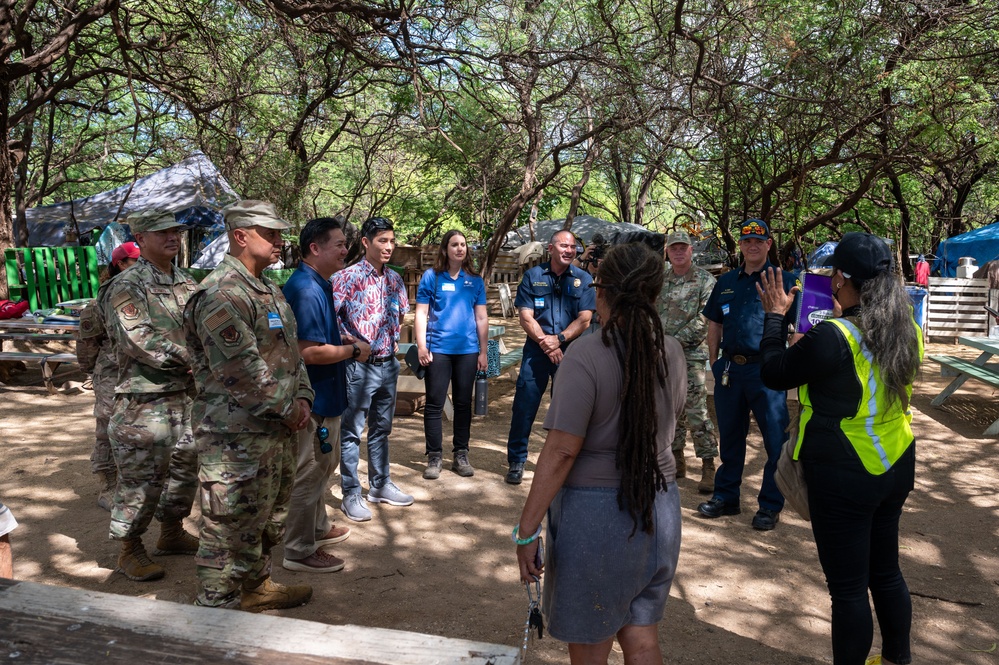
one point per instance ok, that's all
(446, 565)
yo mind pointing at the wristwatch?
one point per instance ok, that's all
(561, 338)
(357, 350)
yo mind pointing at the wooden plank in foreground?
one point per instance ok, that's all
(41, 623)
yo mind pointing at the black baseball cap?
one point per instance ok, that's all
(861, 256)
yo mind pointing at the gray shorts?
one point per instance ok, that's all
(598, 579)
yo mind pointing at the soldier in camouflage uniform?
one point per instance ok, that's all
(95, 355)
(253, 396)
(684, 293)
(150, 424)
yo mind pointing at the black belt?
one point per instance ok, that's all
(739, 359)
(372, 360)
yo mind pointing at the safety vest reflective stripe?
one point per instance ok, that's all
(872, 388)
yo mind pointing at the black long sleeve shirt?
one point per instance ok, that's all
(822, 359)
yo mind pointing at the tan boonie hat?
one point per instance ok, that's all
(678, 237)
(147, 221)
(253, 213)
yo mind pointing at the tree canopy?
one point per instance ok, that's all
(820, 117)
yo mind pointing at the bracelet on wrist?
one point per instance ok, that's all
(525, 541)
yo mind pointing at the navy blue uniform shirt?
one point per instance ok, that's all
(311, 299)
(736, 305)
(556, 301)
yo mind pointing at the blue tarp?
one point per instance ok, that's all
(982, 244)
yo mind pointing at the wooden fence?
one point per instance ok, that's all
(956, 308)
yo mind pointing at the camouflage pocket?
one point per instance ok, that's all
(228, 489)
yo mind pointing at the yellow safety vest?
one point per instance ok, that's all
(879, 433)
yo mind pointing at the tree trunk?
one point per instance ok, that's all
(6, 183)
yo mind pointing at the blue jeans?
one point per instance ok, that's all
(535, 371)
(744, 393)
(371, 400)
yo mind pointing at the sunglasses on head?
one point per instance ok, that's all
(378, 224)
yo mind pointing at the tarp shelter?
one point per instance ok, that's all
(982, 244)
(192, 188)
(584, 226)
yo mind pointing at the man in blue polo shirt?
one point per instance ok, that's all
(555, 302)
(735, 328)
(308, 528)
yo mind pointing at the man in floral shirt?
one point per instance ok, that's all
(370, 302)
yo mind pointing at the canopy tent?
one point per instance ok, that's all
(584, 226)
(193, 189)
(982, 244)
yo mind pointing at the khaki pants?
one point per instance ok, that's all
(307, 518)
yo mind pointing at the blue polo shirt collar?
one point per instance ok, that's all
(743, 273)
(325, 283)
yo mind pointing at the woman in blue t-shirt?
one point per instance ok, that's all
(452, 327)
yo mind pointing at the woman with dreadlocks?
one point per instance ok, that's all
(855, 444)
(606, 476)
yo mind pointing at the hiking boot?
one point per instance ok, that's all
(319, 561)
(390, 494)
(336, 534)
(109, 482)
(175, 540)
(355, 508)
(267, 594)
(516, 473)
(135, 564)
(681, 464)
(717, 507)
(461, 466)
(434, 464)
(707, 483)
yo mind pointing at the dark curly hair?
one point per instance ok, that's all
(630, 278)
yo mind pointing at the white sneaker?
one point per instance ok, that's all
(355, 508)
(390, 494)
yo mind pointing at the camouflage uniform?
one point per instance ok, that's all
(95, 355)
(150, 424)
(680, 303)
(244, 342)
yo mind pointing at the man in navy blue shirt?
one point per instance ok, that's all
(308, 291)
(555, 302)
(735, 328)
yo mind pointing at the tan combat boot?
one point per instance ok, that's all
(681, 463)
(109, 482)
(266, 594)
(174, 540)
(707, 484)
(135, 564)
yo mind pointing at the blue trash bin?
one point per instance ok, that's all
(920, 305)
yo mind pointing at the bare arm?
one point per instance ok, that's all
(714, 340)
(482, 329)
(7, 558)
(554, 463)
(578, 325)
(314, 353)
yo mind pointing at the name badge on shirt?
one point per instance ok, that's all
(725, 309)
(539, 303)
(274, 320)
(447, 287)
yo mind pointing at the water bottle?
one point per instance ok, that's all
(481, 394)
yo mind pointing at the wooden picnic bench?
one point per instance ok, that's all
(979, 369)
(31, 331)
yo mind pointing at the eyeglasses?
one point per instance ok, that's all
(596, 285)
(325, 446)
(754, 228)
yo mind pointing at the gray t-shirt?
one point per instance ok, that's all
(586, 402)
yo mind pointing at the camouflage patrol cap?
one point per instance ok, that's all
(678, 237)
(147, 221)
(249, 212)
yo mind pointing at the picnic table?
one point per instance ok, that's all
(978, 369)
(31, 331)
